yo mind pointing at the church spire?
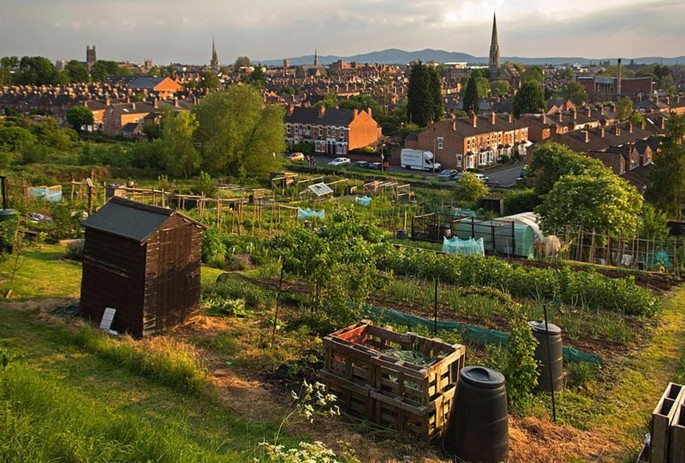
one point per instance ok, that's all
(316, 57)
(214, 63)
(493, 62)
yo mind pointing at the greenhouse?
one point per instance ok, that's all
(499, 236)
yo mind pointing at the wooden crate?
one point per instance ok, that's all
(400, 395)
(662, 418)
(677, 452)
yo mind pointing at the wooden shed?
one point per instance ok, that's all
(144, 261)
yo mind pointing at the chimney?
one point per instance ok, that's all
(617, 130)
(368, 110)
(155, 103)
(601, 110)
(629, 126)
(291, 109)
(133, 106)
(663, 123)
(510, 118)
(587, 136)
(589, 111)
(668, 100)
(175, 102)
(620, 75)
(544, 118)
(493, 118)
(601, 132)
(322, 110)
(560, 116)
(355, 112)
(573, 114)
(474, 119)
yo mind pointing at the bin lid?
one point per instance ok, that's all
(539, 327)
(481, 377)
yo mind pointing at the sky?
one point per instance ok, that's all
(181, 30)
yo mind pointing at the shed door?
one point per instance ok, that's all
(174, 277)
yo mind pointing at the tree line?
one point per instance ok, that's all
(38, 70)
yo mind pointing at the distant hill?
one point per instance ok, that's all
(396, 56)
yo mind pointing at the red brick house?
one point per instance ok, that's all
(332, 131)
(473, 141)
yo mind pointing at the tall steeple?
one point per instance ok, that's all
(214, 63)
(493, 62)
(316, 57)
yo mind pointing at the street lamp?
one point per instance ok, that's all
(434, 153)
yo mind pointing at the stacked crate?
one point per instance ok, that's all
(392, 393)
(667, 444)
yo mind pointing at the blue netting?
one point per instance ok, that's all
(363, 201)
(306, 214)
(463, 247)
(458, 212)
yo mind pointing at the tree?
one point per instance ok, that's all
(483, 85)
(419, 103)
(470, 188)
(624, 108)
(103, 69)
(8, 65)
(667, 190)
(362, 102)
(500, 87)
(596, 199)
(437, 109)
(76, 71)
(533, 73)
(180, 155)
(575, 92)
(235, 132)
(471, 97)
(79, 116)
(529, 99)
(209, 81)
(15, 139)
(257, 77)
(241, 62)
(653, 224)
(552, 161)
(36, 70)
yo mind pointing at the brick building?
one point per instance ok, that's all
(600, 88)
(473, 141)
(332, 131)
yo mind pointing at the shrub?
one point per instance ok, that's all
(213, 248)
(75, 250)
(255, 297)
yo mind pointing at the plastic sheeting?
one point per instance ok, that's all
(458, 212)
(463, 247)
(498, 236)
(307, 214)
(47, 194)
(470, 333)
(363, 201)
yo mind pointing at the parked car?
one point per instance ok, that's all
(475, 174)
(375, 166)
(296, 157)
(340, 162)
(448, 174)
(363, 164)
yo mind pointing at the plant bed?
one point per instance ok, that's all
(363, 367)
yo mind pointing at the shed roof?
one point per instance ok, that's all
(130, 219)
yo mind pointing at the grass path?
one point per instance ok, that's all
(48, 361)
(642, 381)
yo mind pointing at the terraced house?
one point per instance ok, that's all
(471, 142)
(332, 131)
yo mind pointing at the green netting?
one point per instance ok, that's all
(470, 333)
(463, 247)
(502, 237)
(306, 214)
(363, 201)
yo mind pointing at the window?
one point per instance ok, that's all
(441, 143)
(287, 129)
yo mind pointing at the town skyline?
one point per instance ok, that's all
(183, 33)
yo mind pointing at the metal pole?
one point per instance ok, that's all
(278, 296)
(435, 309)
(549, 367)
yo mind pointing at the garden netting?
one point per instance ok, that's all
(363, 201)
(307, 214)
(463, 247)
(470, 333)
